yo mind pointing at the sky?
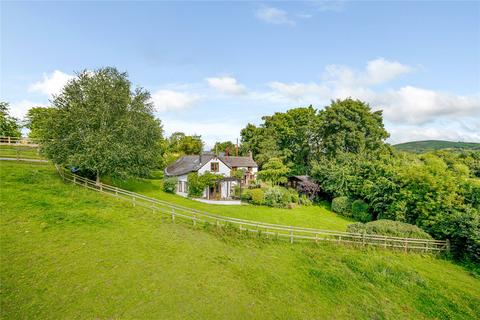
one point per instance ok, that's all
(213, 67)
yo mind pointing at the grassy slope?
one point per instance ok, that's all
(313, 216)
(431, 145)
(19, 151)
(71, 253)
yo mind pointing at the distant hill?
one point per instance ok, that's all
(432, 145)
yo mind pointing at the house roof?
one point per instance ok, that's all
(300, 178)
(188, 164)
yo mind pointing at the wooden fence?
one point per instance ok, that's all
(290, 233)
(21, 141)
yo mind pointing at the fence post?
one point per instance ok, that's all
(101, 187)
(385, 242)
(291, 235)
(406, 245)
(447, 245)
(116, 191)
(173, 215)
(363, 238)
(74, 179)
(316, 237)
(8, 140)
(133, 199)
(194, 219)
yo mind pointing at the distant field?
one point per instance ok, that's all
(71, 253)
(10, 151)
(432, 145)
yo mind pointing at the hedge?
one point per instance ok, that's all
(389, 228)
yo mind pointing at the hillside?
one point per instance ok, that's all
(70, 253)
(432, 145)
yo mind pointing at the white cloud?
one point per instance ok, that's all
(273, 15)
(52, 83)
(408, 104)
(226, 85)
(19, 109)
(377, 71)
(169, 100)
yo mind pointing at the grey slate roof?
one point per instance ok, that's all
(188, 164)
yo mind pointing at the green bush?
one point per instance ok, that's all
(294, 198)
(341, 205)
(246, 195)
(360, 211)
(277, 197)
(304, 200)
(170, 185)
(257, 196)
(195, 185)
(389, 228)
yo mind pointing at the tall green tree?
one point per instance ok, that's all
(350, 126)
(226, 146)
(180, 143)
(9, 126)
(102, 126)
(274, 171)
(36, 121)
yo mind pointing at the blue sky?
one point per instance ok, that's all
(212, 67)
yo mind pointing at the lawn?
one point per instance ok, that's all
(20, 152)
(318, 216)
(71, 253)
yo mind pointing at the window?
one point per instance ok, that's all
(214, 166)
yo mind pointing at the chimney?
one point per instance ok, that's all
(250, 154)
(226, 153)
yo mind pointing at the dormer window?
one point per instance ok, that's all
(214, 167)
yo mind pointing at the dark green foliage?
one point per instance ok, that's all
(432, 145)
(389, 228)
(102, 126)
(360, 211)
(9, 126)
(342, 206)
(257, 196)
(170, 184)
(350, 126)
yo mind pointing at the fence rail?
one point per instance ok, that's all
(19, 141)
(291, 233)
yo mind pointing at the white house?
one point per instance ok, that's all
(222, 164)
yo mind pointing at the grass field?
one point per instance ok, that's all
(71, 253)
(19, 152)
(313, 216)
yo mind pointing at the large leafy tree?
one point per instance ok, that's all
(9, 126)
(180, 143)
(225, 147)
(100, 125)
(36, 121)
(350, 126)
(274, 171)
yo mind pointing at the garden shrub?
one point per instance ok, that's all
(360, 211)
(170, 185)
(304, 200)
(277, 197)
(195, 185)
(246, 195)
(389, 228)
(341, 205)
(294, 198)
(257, 196)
